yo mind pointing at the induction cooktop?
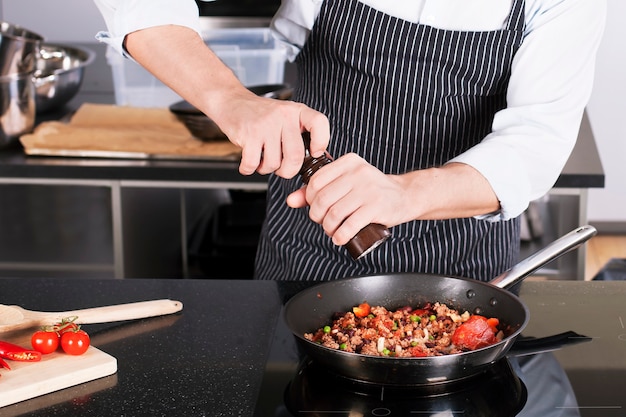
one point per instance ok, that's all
(579, 372)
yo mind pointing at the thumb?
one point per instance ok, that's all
(297, 199)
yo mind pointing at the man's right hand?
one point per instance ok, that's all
(269, 131)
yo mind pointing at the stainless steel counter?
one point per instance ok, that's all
(569, 197)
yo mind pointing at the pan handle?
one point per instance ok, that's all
(559, 247)
(531, 345)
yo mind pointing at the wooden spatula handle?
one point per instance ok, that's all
(118, 312)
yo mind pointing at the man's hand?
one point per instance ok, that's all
(349, 193)
(269, 131)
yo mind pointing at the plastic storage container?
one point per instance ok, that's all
(253, 54)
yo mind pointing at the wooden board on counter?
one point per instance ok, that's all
(108, 131)
(55, 371)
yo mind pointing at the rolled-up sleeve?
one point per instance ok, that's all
(551, 82)
(125, 16)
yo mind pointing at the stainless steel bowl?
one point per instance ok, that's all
(19, 48)
(59, 74)
(17, 107)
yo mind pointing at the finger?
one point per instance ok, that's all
(350, 226)
(328, 196)
(338, 213)
(270, 159)
(317, 124)
(338, 173)
(250, 158)
(293, 152)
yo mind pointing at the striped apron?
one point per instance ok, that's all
(403, 96)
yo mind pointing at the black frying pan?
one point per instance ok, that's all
(313, 308)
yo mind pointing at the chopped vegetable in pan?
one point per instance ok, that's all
(432, 330)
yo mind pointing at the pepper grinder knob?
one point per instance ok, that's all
(368, 238)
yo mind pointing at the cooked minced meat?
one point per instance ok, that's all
(406, 332)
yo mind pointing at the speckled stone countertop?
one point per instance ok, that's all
(207, 360)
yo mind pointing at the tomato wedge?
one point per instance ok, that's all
(477, 332)
(362, 310)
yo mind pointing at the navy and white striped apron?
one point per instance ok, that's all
(403, 96)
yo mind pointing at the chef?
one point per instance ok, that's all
(445, 118)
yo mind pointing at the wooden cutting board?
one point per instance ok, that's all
(106, 131)
(54, 372)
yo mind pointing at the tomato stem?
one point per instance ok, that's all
(66, 324)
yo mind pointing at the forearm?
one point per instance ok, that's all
(203, 79)
(453, 191)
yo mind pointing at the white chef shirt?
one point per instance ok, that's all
(551, 78)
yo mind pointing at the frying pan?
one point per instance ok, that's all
(314, 307)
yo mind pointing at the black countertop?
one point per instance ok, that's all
(583, 169)
(206, 361)
(209, 359)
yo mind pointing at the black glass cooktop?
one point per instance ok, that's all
(570, 361)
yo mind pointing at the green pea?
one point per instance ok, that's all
(326, 329)
(433, 317)
(343, 346)
(416, 319)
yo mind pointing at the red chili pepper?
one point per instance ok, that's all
(3, 364)
(18, 353)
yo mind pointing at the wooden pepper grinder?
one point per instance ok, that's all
(368, 238)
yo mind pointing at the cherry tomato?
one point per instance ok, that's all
(75, 342)
(45, 342)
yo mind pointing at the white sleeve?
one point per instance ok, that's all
(551, 81)
(125, 16)
(293, 22)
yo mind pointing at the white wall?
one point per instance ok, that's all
(607, 114)
(79, 20)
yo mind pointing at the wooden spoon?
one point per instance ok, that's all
(15, 317)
